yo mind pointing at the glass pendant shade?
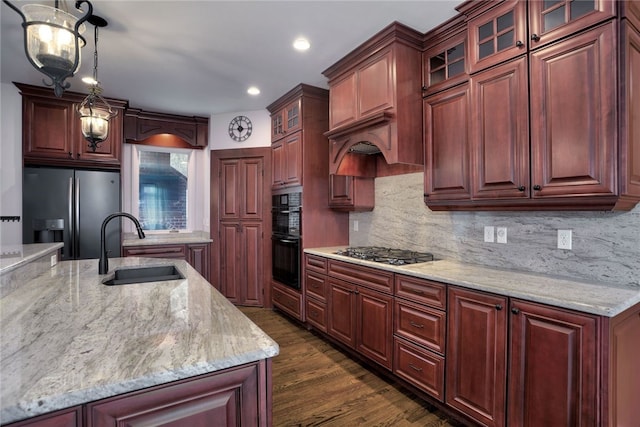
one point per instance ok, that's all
(95, 114)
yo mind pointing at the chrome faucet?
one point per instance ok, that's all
(103, 263)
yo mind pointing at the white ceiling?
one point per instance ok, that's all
(199, 57)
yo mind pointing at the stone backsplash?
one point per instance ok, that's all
(606, 245)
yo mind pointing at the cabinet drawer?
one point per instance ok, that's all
(288, 301)
(317, 314)
(174, 251)
(422, 325)
(316, 263)
(421, 291)
(419, 367)
(360, 275)
(316, 285)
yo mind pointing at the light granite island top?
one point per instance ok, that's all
(596, 298)
(67, 339)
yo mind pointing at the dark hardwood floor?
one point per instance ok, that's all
(315, 384)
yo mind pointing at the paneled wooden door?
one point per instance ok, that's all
(241, 224)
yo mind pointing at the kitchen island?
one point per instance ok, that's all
(70, 341)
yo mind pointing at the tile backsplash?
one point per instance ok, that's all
(605, 245)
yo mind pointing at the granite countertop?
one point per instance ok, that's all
(15, 256)
(595, 298)
(67, 339)
(131, 239)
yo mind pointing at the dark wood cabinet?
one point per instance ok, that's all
(229, 398)
(71, 417)
(476, 371)
(196, 254)
(288, 300)
(447, 150)
(52, 135)
(360, 310)
(174, 130)
(240, 213)
(553, 374)
(351, 193)
(445, 58)
(241, 262)
(286, 164)
(316, 291)
(286, 120)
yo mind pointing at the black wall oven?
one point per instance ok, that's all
(285, 254)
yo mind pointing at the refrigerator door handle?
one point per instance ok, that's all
(71, 250)
(76, 225)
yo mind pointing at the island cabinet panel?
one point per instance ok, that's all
(476, 371)
(229, 398)
(553, 375)
(71, 417)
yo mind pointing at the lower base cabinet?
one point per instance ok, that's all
(417, 366)
(287, 299)
(552, 354)
(239, 396)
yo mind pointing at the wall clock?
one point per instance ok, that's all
(240, 128)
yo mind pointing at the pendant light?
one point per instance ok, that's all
(95, 112)
(52, 40)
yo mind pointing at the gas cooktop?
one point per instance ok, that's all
(385, 255)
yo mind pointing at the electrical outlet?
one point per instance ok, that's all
(502, 234)
(355, 225)
(564, 239)
(489, 233)
(54, 259)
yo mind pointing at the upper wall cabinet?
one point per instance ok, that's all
(374, 101)
(550, 116)
(286, 121)
(145, 127)
(51, 132)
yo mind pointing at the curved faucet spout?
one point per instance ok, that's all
(103, 263)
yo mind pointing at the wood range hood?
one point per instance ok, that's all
(375, 106)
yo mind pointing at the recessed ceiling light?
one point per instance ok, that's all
(301, 44)
(253, 91)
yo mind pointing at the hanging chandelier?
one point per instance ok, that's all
(52, 40)
(95, 112)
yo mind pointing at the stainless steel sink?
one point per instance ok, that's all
(124, 276)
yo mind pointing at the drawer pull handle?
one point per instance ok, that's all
(416, 325)
(415, 368)
(417, 291)
(313, 314)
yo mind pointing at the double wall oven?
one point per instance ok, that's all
(285, 255)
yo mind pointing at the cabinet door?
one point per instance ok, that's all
(229, 398)
(241, 194)
(230, 261)
(375, 326)
(293, 116)
(376, 84)
(500, 131)
(230, 199)
(108, 151)
(446, 118)
(497, 35)
(277, 125)
(445, 64)
(293, 159)
(198, 257)
(553, 372)
(552, 20)
(48, 128)
(342, 312)
(351, 193)
(476, 368)
(251, 283)
(573, 116)
(277, 164)
(342, 101)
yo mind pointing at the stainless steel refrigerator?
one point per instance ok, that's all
(69, 205)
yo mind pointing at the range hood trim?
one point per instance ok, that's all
(367, 122)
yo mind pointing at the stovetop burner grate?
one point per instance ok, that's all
(386, 255)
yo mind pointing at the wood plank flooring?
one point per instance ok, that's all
(315, 384)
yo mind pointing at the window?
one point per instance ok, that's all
(164, 188)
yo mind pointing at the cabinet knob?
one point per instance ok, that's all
(519, 44)
(537, 187)
(521, 188)
(498, 307)
(424, 88)
(515, 310)
(70, 155)
(356, 292)
(535, 37)
(426, 195)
